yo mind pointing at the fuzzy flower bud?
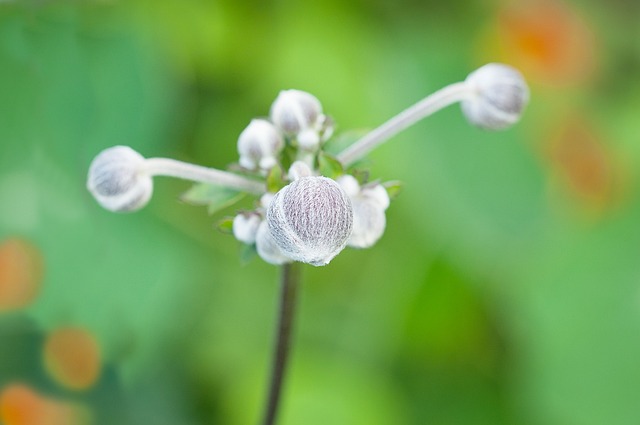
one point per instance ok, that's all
(499, 94)
(369, 205)
(299, 114)
(267, 248)
(245, 227)
(259, 145)
(311, 220)
(298, 170)
(118, 181)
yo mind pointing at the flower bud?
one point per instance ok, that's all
(499, 93)
(267, 248)
(369, 205)
(245, 227)
(298, 170)
(299, 114)
(311, 220)
(259, 145)
(118, 181)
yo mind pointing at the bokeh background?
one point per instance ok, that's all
(506, 289)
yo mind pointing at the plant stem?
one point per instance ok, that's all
(289, 280)
(183, 170)
(427, 106)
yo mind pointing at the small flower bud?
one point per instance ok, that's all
(267, 248)
(298, 170)
(118, 181)
(298, 113)
(266, 199)
(311, 220)
(499, 93)
(245, 227)
(259, 145)
(369, 205)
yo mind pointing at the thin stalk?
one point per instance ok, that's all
(183, 170)
(290, 279)
(427, 106)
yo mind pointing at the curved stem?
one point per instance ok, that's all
(289, 280)
(427, 106)
(183, 170)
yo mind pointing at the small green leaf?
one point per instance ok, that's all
(393, 187)
(329, 165)
(247, 253)
(362, 176)
(225, 225)
(215, 197)
(275, 180)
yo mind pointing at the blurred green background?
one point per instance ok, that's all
(506, 289)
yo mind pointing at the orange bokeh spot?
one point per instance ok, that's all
(547, 40)
(20, 405)
(21, 270)
(583, 163)
(72, 357)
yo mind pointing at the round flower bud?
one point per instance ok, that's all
(298, 170)
(267, 248)
(499, 93)
(259, 145)
(369, 205)
(118, 181)
(245, 227)
(298, 113)
(311, 220)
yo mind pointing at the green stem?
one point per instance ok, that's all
(290, 278)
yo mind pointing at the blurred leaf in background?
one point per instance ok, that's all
(506, 289)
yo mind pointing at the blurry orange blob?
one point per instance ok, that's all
(547, 40)
(20, 405)
(21, 270)
(583, 163)
(72, 357)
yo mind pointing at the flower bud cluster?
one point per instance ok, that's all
(303, 215)
(296, 116)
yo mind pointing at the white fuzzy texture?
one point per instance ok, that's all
(298, 113)
(245, 227)
(118, 181)
(498, 96)
(369, 206)
(311, 220)
(267, 248)
(259, 145)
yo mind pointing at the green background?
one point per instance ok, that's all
(506, 289)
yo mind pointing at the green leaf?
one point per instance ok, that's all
(275, 179)
(393, 187)
(247, 253)
(361, 175)
(329, 165)
(216, 197)
(225, 225)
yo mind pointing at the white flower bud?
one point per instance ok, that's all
(349, 184)
(369, 205)
(266, 199)
(298, 113)
(311, 220)
(499, 93)
(298, 170)
(267, 248)
(369, 220)
(245, 227)
(118, 181)
(259, 145)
